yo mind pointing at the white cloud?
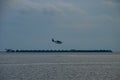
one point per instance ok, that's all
(46, 7)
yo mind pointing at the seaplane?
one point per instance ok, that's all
(57, 41)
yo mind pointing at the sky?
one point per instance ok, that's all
(80, 24)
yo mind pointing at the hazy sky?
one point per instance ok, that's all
(80, 24)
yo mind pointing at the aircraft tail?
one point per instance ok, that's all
(53, 40)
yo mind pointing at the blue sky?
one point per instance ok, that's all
(80, 24)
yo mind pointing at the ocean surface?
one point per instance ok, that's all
(59, 66)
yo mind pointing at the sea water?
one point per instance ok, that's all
(59, 66)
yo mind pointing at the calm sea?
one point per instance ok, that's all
(59, 66)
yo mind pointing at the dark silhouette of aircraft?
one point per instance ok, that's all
(57, 41)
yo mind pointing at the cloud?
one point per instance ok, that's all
(112, 3)
(46, 7)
